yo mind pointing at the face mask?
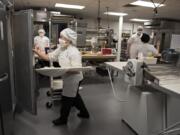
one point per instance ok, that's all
(41, 34)
(139, 33)
(63, 43)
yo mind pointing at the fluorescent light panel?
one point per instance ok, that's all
(69, 6)
(55, 12)
(139, 20)
(116, 13)
(146, 4)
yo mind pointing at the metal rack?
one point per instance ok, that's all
(55, 93)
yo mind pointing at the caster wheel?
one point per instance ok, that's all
(48, 93)
(48, 105)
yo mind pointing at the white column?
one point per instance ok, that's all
(120, 38)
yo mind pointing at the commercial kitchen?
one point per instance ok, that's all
(89, 67)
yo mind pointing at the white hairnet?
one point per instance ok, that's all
(140, 28)
(41, 31)
(70, 35)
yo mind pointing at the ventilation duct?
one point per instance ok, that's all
(162, 24)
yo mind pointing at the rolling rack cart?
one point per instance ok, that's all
(55, 92)
(56, 85)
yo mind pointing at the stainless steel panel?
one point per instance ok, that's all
(24, 73)
(1, 122)
(168, 77)
(173, 110)
(5, 86)
(10, 45)
(2, 30)
(5, 92)
(143, 111)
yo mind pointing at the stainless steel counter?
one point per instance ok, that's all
(168, 77)
(163, 78)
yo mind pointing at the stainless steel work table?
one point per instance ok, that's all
(167, 78)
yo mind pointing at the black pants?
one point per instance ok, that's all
(69, 102)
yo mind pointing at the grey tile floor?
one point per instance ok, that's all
(105, 111)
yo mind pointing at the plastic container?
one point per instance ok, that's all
(57, 84)
(150, 60)
(106, 51)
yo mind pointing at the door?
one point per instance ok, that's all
(25, 85)
(1, 122)
(5, 85)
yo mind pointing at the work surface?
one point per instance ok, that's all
(116, 65)
(58, 71)
(167, 75)
(96, 56)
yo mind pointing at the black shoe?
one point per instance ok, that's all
(79, 104)
(84, 116)
(59, 122)
(64, 112)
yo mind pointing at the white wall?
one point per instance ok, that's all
(132, 27)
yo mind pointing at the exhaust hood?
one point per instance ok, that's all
(160, 23)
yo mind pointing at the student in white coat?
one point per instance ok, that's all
(146, 49)
(41, 41)
(68, 56)
(133, 43)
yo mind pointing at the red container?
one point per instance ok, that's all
(106, 51)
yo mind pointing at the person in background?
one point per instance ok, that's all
(41, 41)
(68, 56)
(133, 43)
(145, 48)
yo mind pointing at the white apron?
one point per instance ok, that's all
(135, 41)
(69, 57)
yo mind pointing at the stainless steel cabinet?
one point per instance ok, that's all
(5, 86)
(1, 123)
(25, 85)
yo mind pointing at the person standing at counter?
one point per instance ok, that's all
(41, 41)
(146, 49)
(133, 43)
(68, 56)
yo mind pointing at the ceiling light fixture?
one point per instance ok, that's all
(147, 4)
(116, 13)
(139, 20)
(55, 13)
(69, 6)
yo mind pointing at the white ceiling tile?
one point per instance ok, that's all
(171, 10)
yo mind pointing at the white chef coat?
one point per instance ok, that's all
(68, 57)
(135, 41)
(41, 42)
(147, 50)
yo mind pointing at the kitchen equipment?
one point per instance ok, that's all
(170, 55)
